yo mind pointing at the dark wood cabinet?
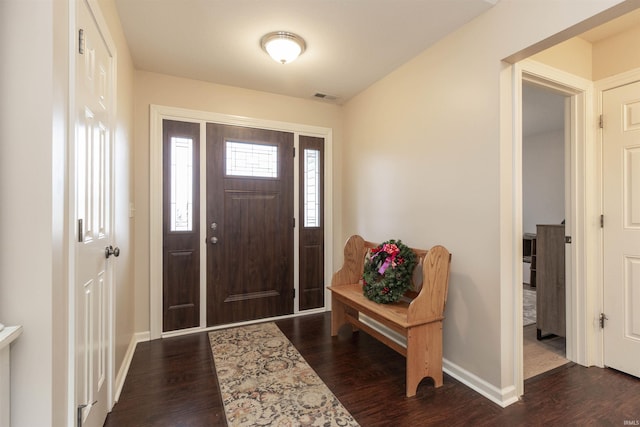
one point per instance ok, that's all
(529, 256)
(550, 280)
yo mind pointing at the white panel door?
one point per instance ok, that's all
(93, 203)
(621, 194)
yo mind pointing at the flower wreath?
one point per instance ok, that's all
(388, 269)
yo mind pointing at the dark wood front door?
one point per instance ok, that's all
(249, 224)
(181, 225)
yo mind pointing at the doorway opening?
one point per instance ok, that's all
(576, 94)
(544, 143)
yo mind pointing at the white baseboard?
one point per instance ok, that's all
(142, 336)
(503, 397)
(126, 363)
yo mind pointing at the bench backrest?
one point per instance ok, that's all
(430, 301)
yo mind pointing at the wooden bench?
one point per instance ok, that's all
(417, 316)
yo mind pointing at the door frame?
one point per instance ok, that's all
(582, 207)
(601, 86)
(157, 113)
(101, 23)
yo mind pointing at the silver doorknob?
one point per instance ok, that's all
(213, 240)
(110, 250)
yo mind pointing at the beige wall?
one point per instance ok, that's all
(151, 88)
(574, 56)
(596, 61)
(437, 161)
(616, 54)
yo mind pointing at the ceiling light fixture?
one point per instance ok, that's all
(282, 46)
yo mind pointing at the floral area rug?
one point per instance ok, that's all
(264, 381)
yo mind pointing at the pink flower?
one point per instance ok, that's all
(391, 249)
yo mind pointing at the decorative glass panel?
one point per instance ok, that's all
(255, 160)
(312, 188)
(181, 184)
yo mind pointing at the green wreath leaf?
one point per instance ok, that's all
(388, 269)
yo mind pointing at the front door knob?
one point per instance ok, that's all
(213, 240)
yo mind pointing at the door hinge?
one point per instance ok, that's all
(601, 221)
(81, 41)
(603, 317)
(294, 293)
(567, 239)
(601, 122)
(294, 151)
(294, 223)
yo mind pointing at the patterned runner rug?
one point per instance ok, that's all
(264, 381)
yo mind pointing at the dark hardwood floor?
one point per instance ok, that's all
(171, 382)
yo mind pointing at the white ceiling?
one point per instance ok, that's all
(350, 43)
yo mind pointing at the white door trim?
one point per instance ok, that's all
(157, 114)
(583, 203)
(70, 217)
(601, 86)
(72, 227)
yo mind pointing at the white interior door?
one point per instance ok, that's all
(621, 207)
(93, 203)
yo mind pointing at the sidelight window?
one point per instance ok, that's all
(311, 188)
(181, 184)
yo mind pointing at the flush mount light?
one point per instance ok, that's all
(282, 46)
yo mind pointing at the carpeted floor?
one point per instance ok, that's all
(265, 381)
(529, 307)
(539, 355)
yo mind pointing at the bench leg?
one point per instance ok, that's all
(424, 355)
(337, 316)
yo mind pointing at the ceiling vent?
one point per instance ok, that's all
(324, 96)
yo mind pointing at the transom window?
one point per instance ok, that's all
(253, 160)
